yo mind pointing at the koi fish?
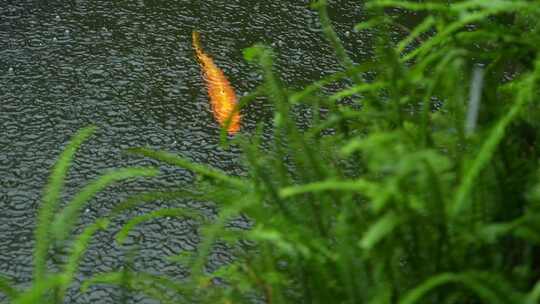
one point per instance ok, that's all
(222, 97)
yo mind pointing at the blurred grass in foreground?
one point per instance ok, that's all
(398, 192)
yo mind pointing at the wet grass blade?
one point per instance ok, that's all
(65, 220)
(78, 248)
(176, 212)
(487, 149)
(152, 285)
(6, 287)
(332, 37)
(39, 289)
(473, 281)
(178, 161)
(379, 230)
(50, 201)
(360, 185)
(152, 196)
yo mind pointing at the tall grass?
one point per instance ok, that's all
(386, 198)
(54, 225)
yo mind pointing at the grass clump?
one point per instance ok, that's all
(390, 195)
(54, 226)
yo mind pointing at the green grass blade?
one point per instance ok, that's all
(458, 7)
(358, 185)
(6, 287)
(371, 23)
(490, 144)
(172, 212)
(482, 285)
(426, 24)
(36, 293)
(379, 230)
(151, 285)
(327, 80)
(151, 196)
(533, 296)
(51, 201)
(65, 220)
(77, 251)
(409, 5)
(333, 39)
(214, 230)
(357, 89)
(112, 278)
(202, 170)
(415, 295)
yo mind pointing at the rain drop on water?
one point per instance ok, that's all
(57, 17)
(10, 70)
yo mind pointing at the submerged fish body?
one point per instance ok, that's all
(222, 96)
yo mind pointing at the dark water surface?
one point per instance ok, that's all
(128, 67)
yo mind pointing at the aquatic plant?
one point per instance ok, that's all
(417, 183)
(55, 224)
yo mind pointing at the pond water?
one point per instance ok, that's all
(128, 68)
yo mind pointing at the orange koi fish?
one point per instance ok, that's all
(222, 97)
